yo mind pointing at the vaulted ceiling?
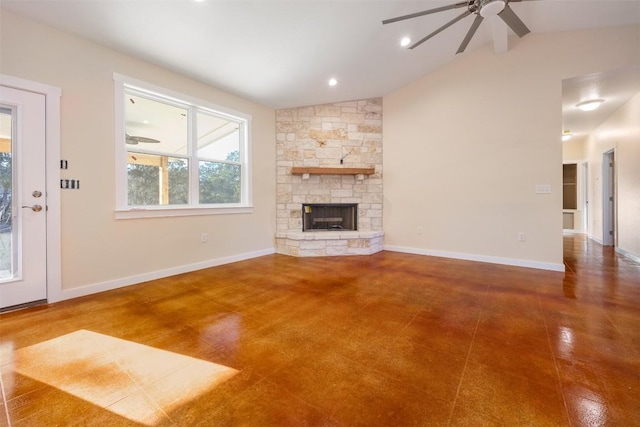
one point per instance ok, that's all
(282, 53)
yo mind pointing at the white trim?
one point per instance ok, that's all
(181, 98)
(52, 134)
(609, 216)
(183, 211)
(480, 258)
(122, 209)
(628, 254)
(571, 231)
(120, 154)
(595, 239)
(154, 275)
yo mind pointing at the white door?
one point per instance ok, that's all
(23, 207)
(585, 197)
(608, 199)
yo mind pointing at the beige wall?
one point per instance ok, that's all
(465, 146)
(96, 249)
(574, 149)
(620, 132)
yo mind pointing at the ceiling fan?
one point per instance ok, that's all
(481, 8)
(135, 140)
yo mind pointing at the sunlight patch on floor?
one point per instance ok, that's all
(135, 381)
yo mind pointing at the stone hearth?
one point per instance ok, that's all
(333, 243)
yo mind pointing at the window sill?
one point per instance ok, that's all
(164, 212)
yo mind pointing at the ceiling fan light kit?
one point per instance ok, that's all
(590, 104)
(481, 8)
(491, 7)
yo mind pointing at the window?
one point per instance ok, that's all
(177, 155)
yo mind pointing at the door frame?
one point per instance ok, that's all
(584, 175)
(609, 199)
(52, 96)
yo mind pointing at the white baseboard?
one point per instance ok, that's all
(595, 239)
(132, 280)
(628, 254)
(481, 258)
(572, 232)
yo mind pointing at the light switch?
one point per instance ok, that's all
(543, 189)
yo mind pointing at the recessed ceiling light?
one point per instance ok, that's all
(566, 135)
(589, 105)
(332, 82)
(405, 41)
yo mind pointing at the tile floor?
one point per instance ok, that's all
(383, 340)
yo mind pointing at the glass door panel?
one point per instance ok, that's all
(7, 235)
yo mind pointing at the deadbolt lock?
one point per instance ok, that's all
(37, 194)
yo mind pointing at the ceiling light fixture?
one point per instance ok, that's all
(406, 41)
(589, 105)
(491, 7)
(566, 135)
(332, 82)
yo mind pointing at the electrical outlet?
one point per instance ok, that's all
(522, 237)
(203, 238)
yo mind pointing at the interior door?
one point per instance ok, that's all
(609, 199)
(23, 208)
(585, 197)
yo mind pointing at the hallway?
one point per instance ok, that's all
(389, 339)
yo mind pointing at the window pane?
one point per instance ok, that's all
(219, 182)
(170, 139)
(155, 126)
(7, 237)
(157, 180)
(218, 137)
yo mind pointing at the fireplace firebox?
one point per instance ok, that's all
(329, 217)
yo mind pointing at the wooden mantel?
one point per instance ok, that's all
(332, 171)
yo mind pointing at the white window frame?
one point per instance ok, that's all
(123, 210)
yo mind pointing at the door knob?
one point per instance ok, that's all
(35, 208)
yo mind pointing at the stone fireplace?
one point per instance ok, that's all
(329, 155)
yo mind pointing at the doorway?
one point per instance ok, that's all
(29, 193)
(23, 205)
(585, 197)
(608, 199)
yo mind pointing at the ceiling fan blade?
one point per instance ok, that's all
(474, 27)
(424, 12)
(134, 140)
(444, 27)
(512, 20)
(146, 140)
